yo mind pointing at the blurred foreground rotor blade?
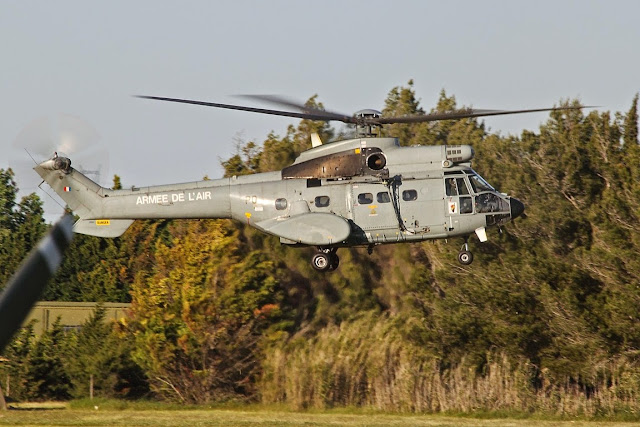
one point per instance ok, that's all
(26, 285)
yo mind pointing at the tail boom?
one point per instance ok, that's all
(108, 213)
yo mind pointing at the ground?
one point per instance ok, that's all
(66, 415)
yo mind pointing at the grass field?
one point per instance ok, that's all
(122, 414)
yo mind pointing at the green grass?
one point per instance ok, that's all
(101, 412)
(219, 417)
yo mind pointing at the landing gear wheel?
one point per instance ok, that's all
(321, 261)
(465, 257)
(325, 259)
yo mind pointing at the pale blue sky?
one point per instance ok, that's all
(87, 58)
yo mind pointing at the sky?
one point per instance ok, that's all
(86, 59)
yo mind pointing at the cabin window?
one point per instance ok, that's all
(383, 197)
(466, 205)
(365, 198)
(322, 201)
(281, 204)
(409, 195)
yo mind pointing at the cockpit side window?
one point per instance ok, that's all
(462, 187)
(450, 184)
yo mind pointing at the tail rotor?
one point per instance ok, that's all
(63, 135)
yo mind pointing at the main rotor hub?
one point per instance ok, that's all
(366, 123)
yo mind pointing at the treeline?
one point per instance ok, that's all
(546, 318)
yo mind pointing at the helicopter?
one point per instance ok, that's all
(359, 192)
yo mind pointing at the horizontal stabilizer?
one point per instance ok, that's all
(316, 229)
(102, 227)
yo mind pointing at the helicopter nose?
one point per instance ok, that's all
(517, 208)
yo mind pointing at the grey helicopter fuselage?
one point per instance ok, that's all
(363, 191)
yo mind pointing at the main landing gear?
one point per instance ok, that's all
(325, 260)
(465, 257)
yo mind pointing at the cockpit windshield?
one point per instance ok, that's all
(479, 184)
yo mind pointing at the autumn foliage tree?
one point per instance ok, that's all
(199, 314)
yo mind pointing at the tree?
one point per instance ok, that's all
(18, 359)
(198, 316)
(117, 184)
(93, 269)
(631, 124)
(402, 101)
(8, 194)
(301, 135)
(101, 364)
(46, 376)
(21, 225)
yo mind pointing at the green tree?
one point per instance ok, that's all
(117, 183)
(101, 364)
(246, 160)
(631, 124)
(93, 269)
(276, 153)
(402, 101)
(46, 377)
(8, 194)
(301, 135)
(18, 358)
(21, 225)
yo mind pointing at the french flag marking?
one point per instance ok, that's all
(67, 189)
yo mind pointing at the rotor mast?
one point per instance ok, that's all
(367, 124)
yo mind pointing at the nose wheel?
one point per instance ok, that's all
(325, 260)
(465, 257)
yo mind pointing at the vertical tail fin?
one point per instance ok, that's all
(83, 196)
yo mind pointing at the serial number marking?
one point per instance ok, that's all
(159, 199)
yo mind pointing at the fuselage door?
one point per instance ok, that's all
(372, 207)
(458, 200)
(420, 204)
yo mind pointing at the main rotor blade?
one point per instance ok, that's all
(462, 114)
(310, 116)
(311, 113)
(285, 102)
